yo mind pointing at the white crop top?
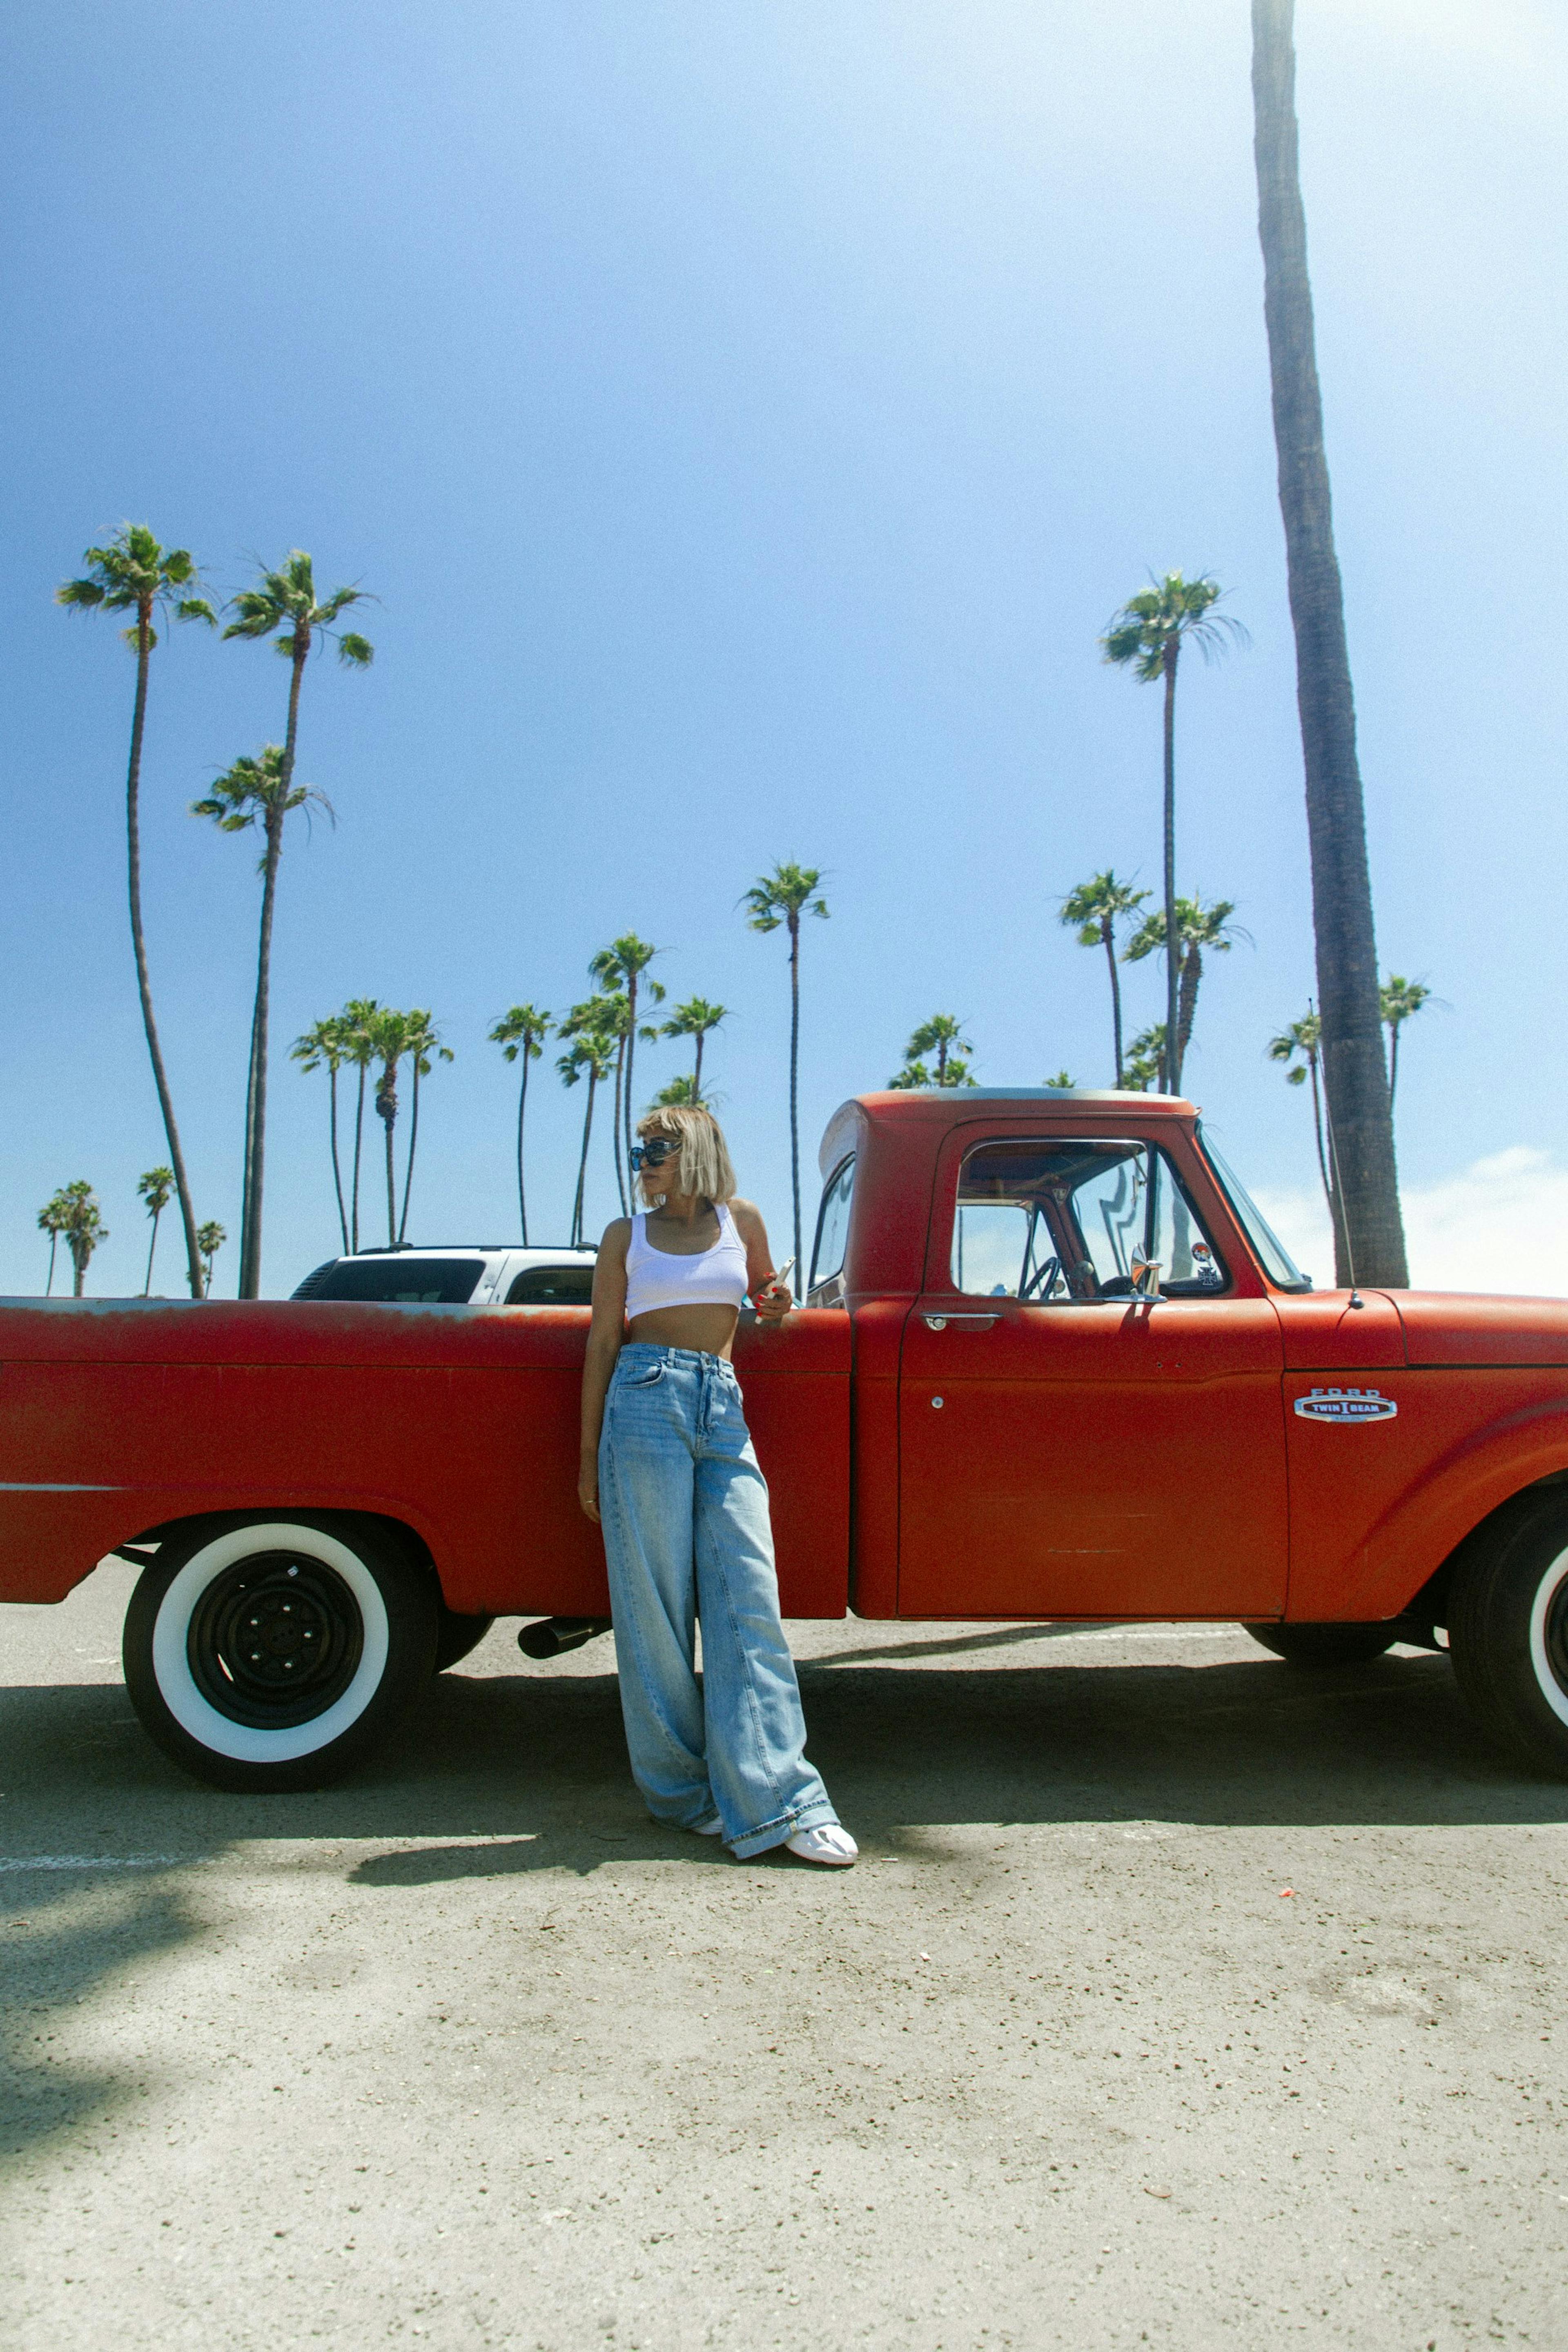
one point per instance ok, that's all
(710, 1277)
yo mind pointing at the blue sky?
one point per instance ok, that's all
(748, 417)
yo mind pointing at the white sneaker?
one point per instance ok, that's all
(715, 1828)
(828, 1845)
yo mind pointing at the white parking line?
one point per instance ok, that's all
(94, 1860)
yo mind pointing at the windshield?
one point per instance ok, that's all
(1278, 1263)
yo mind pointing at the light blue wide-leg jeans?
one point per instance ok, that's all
(688, 1539)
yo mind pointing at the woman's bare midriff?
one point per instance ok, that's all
(709, 1330)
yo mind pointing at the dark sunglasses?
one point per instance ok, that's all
(654, 1152)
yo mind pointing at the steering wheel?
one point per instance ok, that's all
(1039, 1283)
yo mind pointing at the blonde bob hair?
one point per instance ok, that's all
(704, 1167)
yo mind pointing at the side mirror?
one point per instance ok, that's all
(1146, 1279)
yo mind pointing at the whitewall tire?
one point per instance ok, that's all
(273, 1653)
(1508, 1629)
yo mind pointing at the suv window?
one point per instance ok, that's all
(832, 1232)
(1066, 1220)
(552, 1286)
(400, 1281)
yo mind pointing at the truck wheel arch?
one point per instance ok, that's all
(1409, 1554)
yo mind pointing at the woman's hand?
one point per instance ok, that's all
(773, 1301)
(588, 1486)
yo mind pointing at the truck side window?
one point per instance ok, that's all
(832, 1238)
(1064, 1221)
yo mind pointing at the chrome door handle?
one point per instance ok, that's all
(970, 1322)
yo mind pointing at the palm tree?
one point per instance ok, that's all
(593, 1052)
(359, 1017)
(424, 1048)
(1355, 1082)
(910, 1079)
(1093, 910)
(389, 1038)
(620, 968)
(81, 1221)
(782, 897)
(283, 604)
(1148, 634)
(683, 1089)
(392, 1036)
(156, 1189)
(52, 1221)
(943, 1035)
(211, 1238)
(1305, 1038)
(1197, 927)
(1062, 1080)
(1145, 1065)
(1399, 1001)
(521, 1033)
(257, 792)
(325, 1043)
(694, 1019)
(135, 574)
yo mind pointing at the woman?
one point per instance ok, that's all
(668, 1471)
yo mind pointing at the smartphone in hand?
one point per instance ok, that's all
(780, 1280)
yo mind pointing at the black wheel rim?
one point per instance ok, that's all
(275, 1640)
(1556, 1630)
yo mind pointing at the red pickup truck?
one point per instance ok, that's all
(1054, 1364)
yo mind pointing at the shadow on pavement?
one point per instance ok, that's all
(536, 1756)
(62, 1959)
(505, 1775)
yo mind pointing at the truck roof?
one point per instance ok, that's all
(900, 1106)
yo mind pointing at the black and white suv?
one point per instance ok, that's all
(487, 1274)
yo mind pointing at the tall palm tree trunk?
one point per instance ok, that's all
(152, 1252)
(1317, 1136)
(49, 1286)
(359, 1143)
(1369, 1237)
(337, 1164)
(582, 1167)
(1108, 934)
(389, 1121)
(1393, 1065)
(794, 1078)
(631, 1053)
(256, 1109)
(696, 1073)
(408, 1166)
(79, 1274)
(139, 942)
(1172, 944)
(1192, 977)
(521, 1108)
(623, 1085)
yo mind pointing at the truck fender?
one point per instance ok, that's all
(1405, 1548)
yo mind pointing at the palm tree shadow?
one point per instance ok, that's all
(70, 1952)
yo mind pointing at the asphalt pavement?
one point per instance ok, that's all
(1180, 1997)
